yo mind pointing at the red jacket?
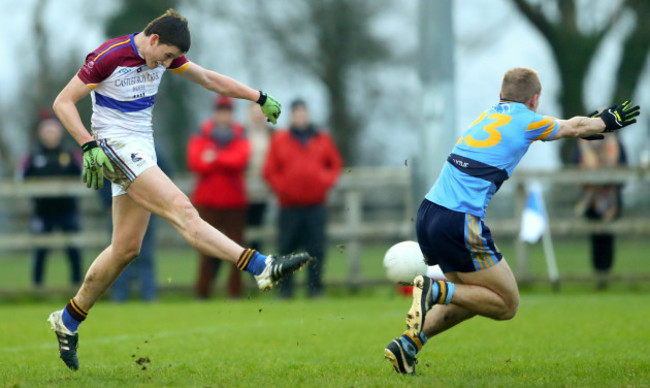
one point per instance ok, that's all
(220, 168)
(301, 174)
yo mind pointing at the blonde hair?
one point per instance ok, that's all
(520, 84)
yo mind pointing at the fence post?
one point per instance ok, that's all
(521, 248)
(353, 206)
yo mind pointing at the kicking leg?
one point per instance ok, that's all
(154, 191)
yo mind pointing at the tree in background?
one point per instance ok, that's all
(45, 82)
(173, 118)
(573, 46)
(331, 40)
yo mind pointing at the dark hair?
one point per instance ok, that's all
(172, 29)
(298, 103)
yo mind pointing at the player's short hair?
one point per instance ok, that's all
(172, 29)
(520, 84)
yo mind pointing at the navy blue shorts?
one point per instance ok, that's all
(457, 242)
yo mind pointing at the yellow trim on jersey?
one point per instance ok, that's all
(111, 47)
(180, 69)
(92, 86)
(546, 133)
(539, 124)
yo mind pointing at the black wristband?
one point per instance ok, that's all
(89, 146)
(611, 124)
(262, 98)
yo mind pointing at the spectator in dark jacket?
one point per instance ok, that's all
(219, 156)
(50, 160)
(302, 165)
(602, 202)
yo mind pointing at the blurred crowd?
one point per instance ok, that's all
(222, 154)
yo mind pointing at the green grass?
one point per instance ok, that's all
(572, 340)
(178, 266)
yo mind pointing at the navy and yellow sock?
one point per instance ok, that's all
(73, 315)
(412, 345)
(442, 291)
(252, 261)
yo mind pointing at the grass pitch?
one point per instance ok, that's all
(569, 339)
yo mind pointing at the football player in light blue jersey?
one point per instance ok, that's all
(449, 224)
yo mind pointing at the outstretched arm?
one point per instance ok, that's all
(219, 83)
(609, 120)
(579, 126)
(227, 86)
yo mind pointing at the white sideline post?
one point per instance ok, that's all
(549, 254)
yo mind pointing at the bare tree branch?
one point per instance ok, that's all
(535, 16)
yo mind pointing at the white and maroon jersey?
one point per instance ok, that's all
(123, 87)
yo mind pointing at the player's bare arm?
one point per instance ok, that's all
(579, 126)
(66, 109)
(219, 83)
(227, 86)
(609, 120)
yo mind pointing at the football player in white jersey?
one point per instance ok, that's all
(122, 76)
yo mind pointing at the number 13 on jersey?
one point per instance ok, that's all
(494, 136)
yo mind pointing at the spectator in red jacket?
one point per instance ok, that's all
(301, 166)
(219, 155)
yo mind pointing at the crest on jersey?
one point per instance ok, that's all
(135, 157)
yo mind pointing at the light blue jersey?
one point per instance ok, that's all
(486, 155)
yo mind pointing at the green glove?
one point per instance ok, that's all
(270, 107)
(619, 116)
(597, 136)
(94, 162)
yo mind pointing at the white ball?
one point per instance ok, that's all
(403, 262)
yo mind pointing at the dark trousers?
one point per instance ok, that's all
(602, 251)
(256, 213)
(303, 228)
(230, 222)
(42, 224)
(142, 269)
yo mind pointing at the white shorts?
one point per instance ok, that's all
(130, 155)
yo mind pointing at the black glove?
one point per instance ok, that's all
(597, 136)
(619, 116)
